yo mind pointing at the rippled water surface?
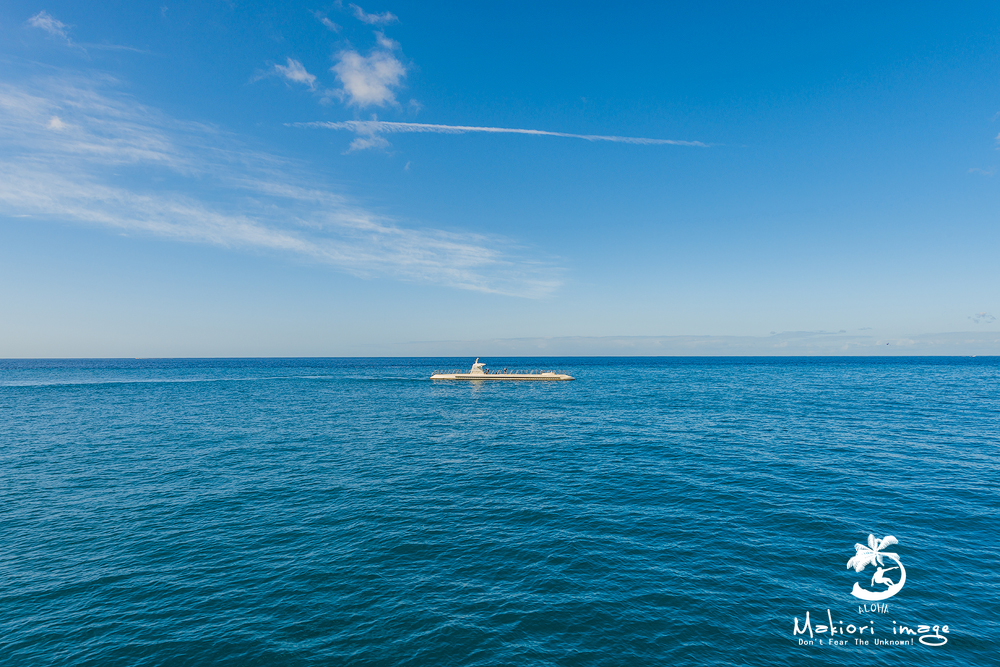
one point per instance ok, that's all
(353, 512)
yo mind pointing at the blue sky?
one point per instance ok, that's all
(242, 179)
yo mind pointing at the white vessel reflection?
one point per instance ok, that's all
(480, 372)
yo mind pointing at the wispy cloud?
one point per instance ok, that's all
(373, 19)
(372, 131)
(77, 150)
(982, 318)
(45, 21)
(984, 172)
(370, 80)
(296, 72)
(327, 23)
(111, 47)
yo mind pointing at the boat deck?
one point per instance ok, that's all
(480, 372)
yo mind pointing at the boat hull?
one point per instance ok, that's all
(520, 377)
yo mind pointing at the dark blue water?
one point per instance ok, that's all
(352, 512)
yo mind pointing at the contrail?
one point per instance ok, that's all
(376, 127)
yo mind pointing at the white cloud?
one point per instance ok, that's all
(375, 128)
(45, 21)
(192, 182)
(373, 19)
(330, 25)
(984, 172)
(50, 24)
(366, 142)
(295, 71)
(386, 43)
(370, 80)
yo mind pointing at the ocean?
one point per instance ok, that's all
(655, 511)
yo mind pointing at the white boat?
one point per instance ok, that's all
(480, 372)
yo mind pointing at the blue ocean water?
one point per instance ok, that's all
(353, 512)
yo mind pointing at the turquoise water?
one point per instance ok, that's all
(352, 512)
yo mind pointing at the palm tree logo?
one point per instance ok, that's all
(873, 555)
